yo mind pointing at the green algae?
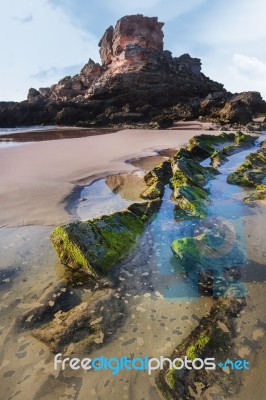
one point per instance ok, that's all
(195, 350)
(156, 179)
(213, 337)
(153, 192)
(94, 246)
(192, 200)
(189, 177)
(171, 378)
(161, 173)
(251, 172)
(187, 253)
(217, 158)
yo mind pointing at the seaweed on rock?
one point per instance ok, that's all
(94, 246)
(213, 337)
(91, 248)
(251, 172)
(189, 177)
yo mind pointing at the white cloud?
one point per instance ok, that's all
(48, 41)
(238, 72)
(249, 65)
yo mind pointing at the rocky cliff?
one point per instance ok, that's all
(137, 82)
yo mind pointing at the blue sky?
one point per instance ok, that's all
(44, 40)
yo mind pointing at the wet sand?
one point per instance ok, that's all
(36, 178)
(53, 134)
(152, 325)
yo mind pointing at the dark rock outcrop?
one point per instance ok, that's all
(138, 82)
(241, 107)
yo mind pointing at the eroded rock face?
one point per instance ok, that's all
(134, 30)
(138, 82)
(242, 106)
(106, 46)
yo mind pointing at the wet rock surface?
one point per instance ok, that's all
(212, 338)
(252, 174)
(189, 177)
(90, 248)
(91, 319)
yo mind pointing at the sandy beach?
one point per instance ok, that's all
(35, 182)
(36, 178)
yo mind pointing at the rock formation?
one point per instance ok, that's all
(138, 82)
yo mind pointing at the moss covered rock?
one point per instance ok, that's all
(153, 192)
(189, 177)
(213, 337)
(218, 158)
(202, 146)
(252, 172)
(93, 247)
(187, 182)
(258, 194)
(156, 179)
(186, 170)
(90, 248)
(145, 210)
(242, 138)
(161, 172)
(212, 251)
(192, 200)
(186, 252)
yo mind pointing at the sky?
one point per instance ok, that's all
(44, 40)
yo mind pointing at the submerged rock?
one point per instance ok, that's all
(86, 325)
(259, 194)
(213, 258)
(214, 338)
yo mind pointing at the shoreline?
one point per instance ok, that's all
(143, 300)
(36, 196)
(55, 133)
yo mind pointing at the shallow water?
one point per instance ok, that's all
(13, 137)
(10, 131)
(98, 199)
(5, 144)
(162, 304)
